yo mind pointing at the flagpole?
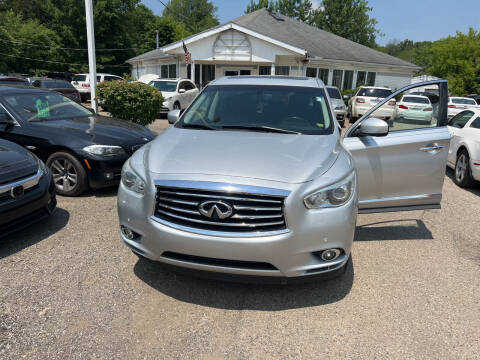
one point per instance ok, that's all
(92, 63)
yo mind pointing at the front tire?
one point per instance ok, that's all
(69, 175)
(463, 172)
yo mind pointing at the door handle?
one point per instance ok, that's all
(432, 148)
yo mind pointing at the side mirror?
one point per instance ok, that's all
(173, 116)
(373, 127)
(182, 91)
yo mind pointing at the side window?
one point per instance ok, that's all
(108, 78)
(190, 86)
(36, 83)
(475, 123)
(460, 120)
(413, 109)
(183, 85)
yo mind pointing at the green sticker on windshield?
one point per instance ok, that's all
(319, 125)
(43, 110)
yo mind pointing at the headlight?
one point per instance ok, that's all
(333, 195)
(168, 98)
(104, 150)
(41, 165)
(131, 180)
(340, 108)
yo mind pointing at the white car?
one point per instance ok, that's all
(414, 108)
(81, 82)
(367, 97)
(464, 151)
(458, 104)
(177, 93)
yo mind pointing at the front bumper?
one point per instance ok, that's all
(36, 204)
(340, 115)
(105, 172)
(383, 112)
(285, 255)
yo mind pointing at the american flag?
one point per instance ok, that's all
(187, 54)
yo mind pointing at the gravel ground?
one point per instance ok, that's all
(69, 289)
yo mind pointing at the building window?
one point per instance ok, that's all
(164, 72)
(361, 77)
(282, 70)
(168, 71)
(337, 78)
(371, 79)
(311, 72)
(348, 79)
(323, 75)
(208, 74)
(264, 70)
(189, 71)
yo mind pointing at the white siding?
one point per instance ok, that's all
(393, 81)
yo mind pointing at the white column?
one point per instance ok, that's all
(354, 81)
(272, 69)
(92, 63)
(192, 71)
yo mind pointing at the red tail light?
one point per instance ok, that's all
(360, 101)
(403, 107)
(85, 85)
(392, 102)
(452, 106)
(428, 109)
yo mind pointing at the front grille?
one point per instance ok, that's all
(250, 212)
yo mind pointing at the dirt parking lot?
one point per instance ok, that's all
(69, 289)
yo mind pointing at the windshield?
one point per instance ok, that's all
(42, 106)
(334, 93)
(464, 101)
(80, 78)
(168, 86)
(417, 100)
(292, 109)
(378, 93)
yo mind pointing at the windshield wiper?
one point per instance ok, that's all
(198, 126)
(261, 128)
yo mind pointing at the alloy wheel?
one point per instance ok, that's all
(64, 174)
(461, 168)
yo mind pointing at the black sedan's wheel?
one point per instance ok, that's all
(69, 175)
(463, 173)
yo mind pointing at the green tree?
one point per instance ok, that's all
(297, 9)
(347, 18)
(254, 6)
(197, 15)
(457, 58)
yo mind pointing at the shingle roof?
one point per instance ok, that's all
(318, 43)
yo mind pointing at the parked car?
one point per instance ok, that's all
(254, 179)
(61, 86)
(414, 108)
(464, 152)
(12, 80)
(81, 149)
(27, 193)
(81, 82)
(177, 93)
(338, 105)
(367, 97)
(458, 104)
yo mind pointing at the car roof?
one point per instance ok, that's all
(19, 89)
(169, 79)
(97, 74)
(376, 87)
(416, 96)
(461, 97)
(267, 80)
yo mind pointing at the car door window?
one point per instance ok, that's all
(182, 86)
(475, 123)
(460, 120)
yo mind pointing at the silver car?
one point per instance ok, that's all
(254, 180)
(337, 103)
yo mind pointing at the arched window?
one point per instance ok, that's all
(232, 45)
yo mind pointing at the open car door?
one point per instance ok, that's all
(401, 159)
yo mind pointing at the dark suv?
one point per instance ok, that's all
(27, 193)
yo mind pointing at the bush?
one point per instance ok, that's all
(132, 101)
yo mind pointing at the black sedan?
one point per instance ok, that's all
(27, 193)
(81, 149)
(61, 86)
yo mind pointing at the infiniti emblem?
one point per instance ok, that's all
(215, 209)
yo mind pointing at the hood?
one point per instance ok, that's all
(167, 94)
(101, 129)
(285, 158)
(15, 162)
(337, 102)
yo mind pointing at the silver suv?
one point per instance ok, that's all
(254, 179)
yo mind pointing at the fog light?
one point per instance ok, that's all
(128, 233)
(109, 175)
(330, 254)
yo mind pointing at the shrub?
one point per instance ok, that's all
(132, 101)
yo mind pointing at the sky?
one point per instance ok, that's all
(417, 20)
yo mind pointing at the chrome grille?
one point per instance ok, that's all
(253, 212)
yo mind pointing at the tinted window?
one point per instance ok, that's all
(463, 101)
(14, 82)
(299, 109)
(377, 93)
(417, 100)
(168, 86)
(460, 120)
(79, 77)
(54, 84)
(42, 106)
(311, 72)
(189, 86)
(334, 93)
(475, 123)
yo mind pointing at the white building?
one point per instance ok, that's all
(266, 43)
